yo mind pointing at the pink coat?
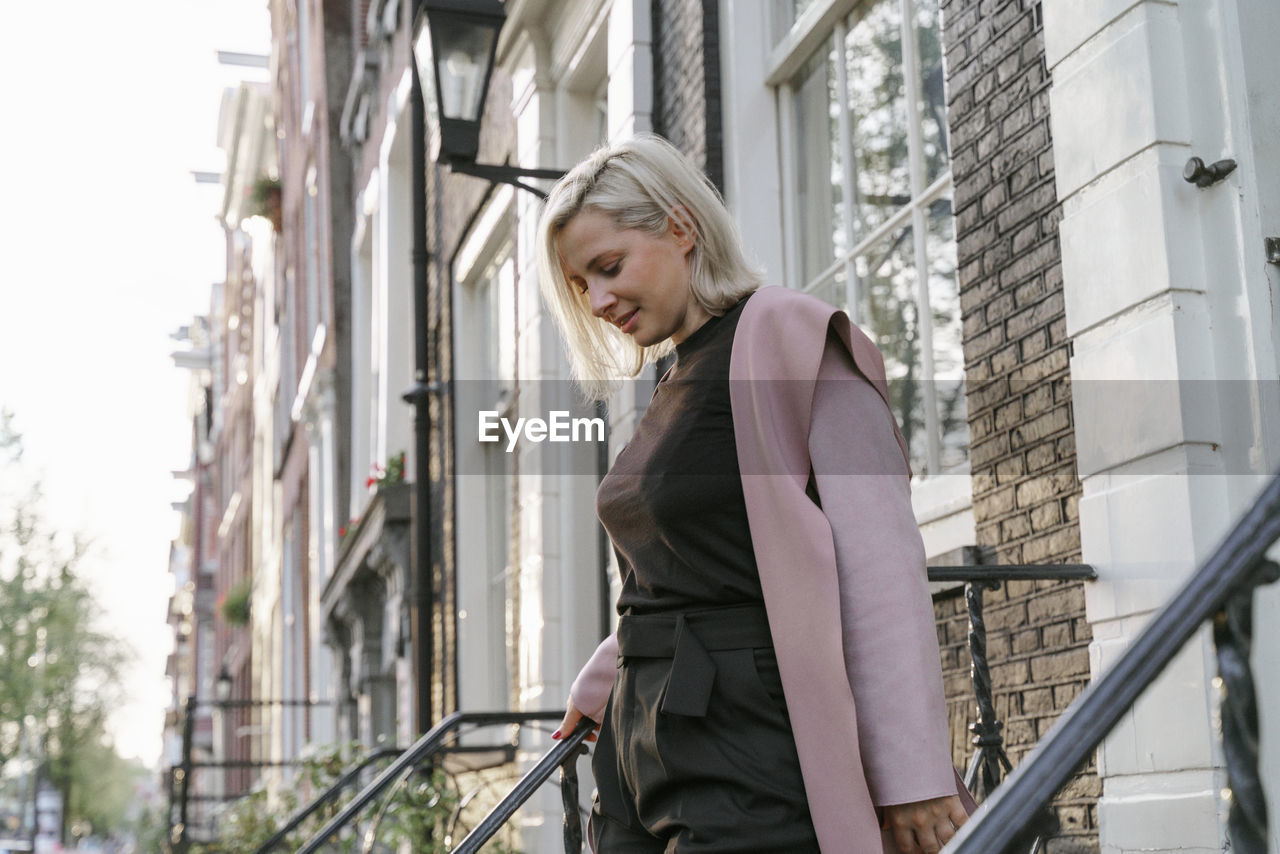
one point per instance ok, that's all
(844, 584)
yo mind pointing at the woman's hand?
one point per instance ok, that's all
(570, 722)
(923, 827)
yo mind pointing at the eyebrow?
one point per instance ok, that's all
(594, 263)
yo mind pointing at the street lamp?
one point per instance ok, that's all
(222, 685)
(460, 47)
(454, 45)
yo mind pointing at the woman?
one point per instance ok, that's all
(774, 683)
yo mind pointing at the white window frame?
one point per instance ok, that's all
(484, 267)
(815, 28)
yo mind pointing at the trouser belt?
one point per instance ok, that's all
(687, 638)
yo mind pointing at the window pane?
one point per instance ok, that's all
(933, 104)
(887, 312)
(820, 204)
(785, 14)
(878, 115)
(948, 356)
(833, 288)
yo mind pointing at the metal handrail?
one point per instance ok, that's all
(422, 750)
(1235, 568)
(348, 777)
(562, 756)
(1021, 572)
(989, 760)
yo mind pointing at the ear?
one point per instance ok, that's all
(682, 228)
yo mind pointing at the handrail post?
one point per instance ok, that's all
(569, 798)
(1238, 711)
(989, 756)
(181, 839)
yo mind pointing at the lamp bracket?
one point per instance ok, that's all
(505, 174)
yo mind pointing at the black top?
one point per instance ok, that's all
(672, 502)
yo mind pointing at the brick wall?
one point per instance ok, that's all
(686, 73)
(1025, 488)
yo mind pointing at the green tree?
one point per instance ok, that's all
(59, 671)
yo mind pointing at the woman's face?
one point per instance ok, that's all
(635, 280)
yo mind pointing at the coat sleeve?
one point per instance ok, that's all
(889, 635)
(591, 689)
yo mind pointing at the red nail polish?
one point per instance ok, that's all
(555, 734)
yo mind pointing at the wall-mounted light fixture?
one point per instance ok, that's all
(455, 43)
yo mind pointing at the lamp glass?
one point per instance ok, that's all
(222, 686)
(462, 48)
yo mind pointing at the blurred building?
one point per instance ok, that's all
(1078, 340)
(193, 561)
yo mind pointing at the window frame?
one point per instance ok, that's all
(485, 266)
(824, 25)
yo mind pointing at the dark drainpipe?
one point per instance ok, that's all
(423, 605)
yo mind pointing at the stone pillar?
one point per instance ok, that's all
(1168, 311)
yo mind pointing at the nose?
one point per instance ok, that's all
(600, 297)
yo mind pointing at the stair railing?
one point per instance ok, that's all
(990, 762)
(1221, 589)
(426, 748)
(348, 778)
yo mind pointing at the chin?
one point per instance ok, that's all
(648, 339)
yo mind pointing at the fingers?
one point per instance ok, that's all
(924, 827)
(927, 839)
(905, 840)
(570, 722)
(918, 841)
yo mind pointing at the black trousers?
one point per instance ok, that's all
(695, 754)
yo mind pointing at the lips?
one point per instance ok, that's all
(627, 321)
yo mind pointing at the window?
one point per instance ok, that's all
(486, 484)
(497, 292)
(867, 186)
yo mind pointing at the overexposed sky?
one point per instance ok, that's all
(107, 245)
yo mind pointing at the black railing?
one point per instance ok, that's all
(181, 798)
(426, 749)
(1221, 589)
(990, 762)
(563, 756)
(348, 779)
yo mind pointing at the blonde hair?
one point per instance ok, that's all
(640, 183)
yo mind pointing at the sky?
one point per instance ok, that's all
(108, 247)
